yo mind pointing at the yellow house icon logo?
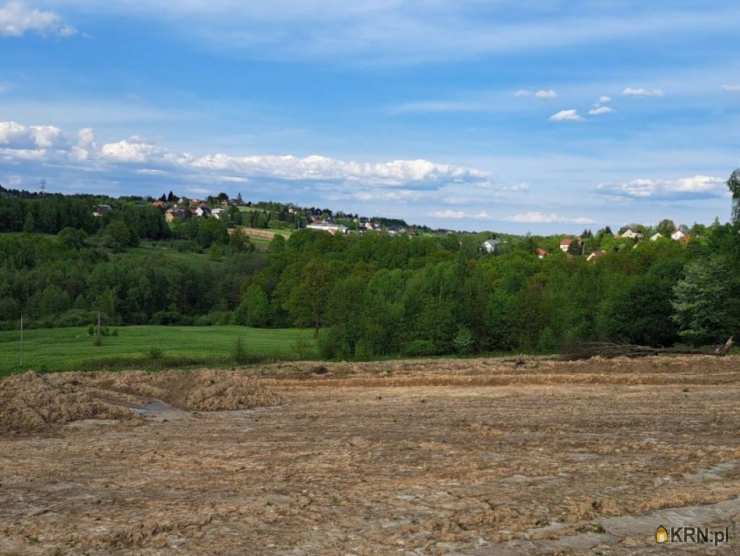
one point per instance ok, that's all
(661, 535)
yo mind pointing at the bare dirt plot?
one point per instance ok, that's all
(436, 457)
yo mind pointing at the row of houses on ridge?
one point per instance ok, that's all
(576, 245)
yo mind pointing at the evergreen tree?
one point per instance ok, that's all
(706, 302)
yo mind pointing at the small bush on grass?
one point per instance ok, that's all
(240, 355)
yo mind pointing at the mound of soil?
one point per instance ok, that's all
(31, 402)
(201, 390)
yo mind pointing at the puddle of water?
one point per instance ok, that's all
(158, 410)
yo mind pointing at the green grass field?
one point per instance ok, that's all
(65, 349)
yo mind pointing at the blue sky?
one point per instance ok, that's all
(547, 116)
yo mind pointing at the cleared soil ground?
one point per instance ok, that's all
(474, 457)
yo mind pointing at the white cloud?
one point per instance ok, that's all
(49, 143)
(640, 92)
(731, 88)
(537, 217)
(605, 100)
(86, 145)
(133, 149)
(448, 214)
(20, 137)
(693, 187)
(317, 167)
(566, 116)
(542, 94)
(151, 172)
(600, 110)
(17, 19)
(375, 194)
(87, 137)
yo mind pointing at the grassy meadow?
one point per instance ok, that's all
(66, 349)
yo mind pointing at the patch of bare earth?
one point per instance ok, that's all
(484, 456)
(32, 402)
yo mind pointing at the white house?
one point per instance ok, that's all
(490, 246)
(595, 255)
(101, 210)
(565, 244)
(631, 234)
(656, 236)
(333, 229)
(202, 211)
(218, 213)
(678, 235)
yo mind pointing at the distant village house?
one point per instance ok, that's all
(102, 210)
(629, 233)
(202, 211)
(565, 244)
(174, 214)
(491, 246)
(333, 229)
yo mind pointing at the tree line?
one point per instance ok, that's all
(369, 295)
(377, 295)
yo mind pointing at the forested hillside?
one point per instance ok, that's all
(379, 295)
(370, 294)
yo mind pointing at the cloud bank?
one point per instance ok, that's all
(49, 145)
(688, 188)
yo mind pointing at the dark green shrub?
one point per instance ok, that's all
(420, 348)
(463, 341)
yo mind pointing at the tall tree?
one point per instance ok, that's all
(707, 301)
(734, 184)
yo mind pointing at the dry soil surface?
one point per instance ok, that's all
(476, 457)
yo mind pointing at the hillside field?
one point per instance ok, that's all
(261, 237)
(64, 349)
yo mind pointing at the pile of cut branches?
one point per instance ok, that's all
(608, 350)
